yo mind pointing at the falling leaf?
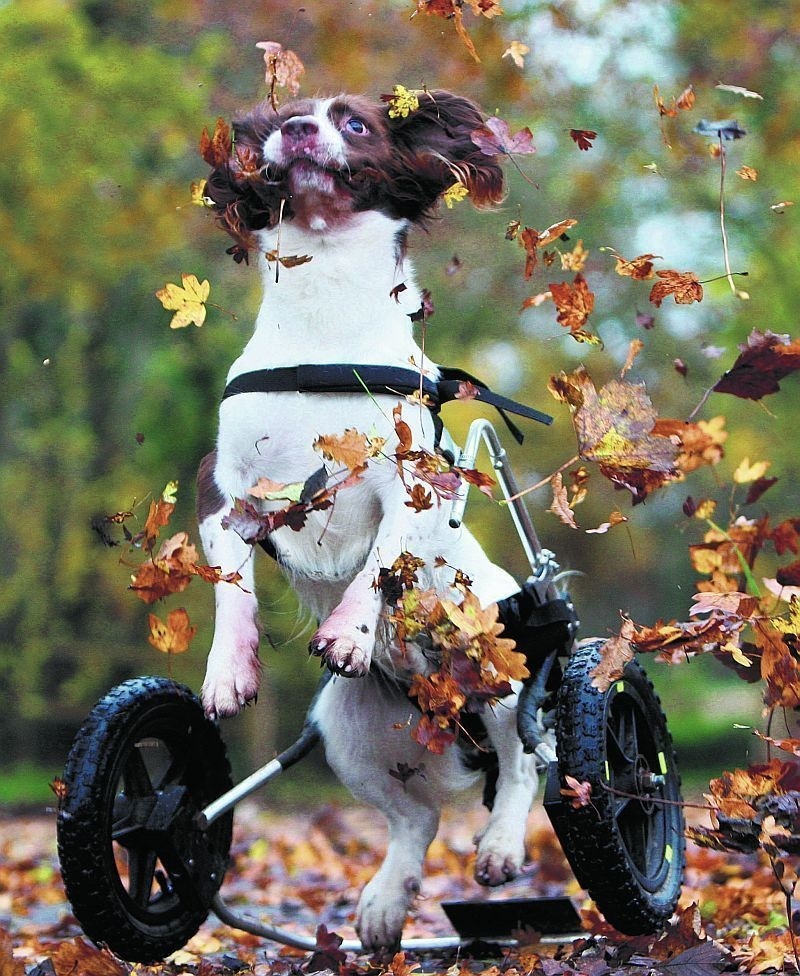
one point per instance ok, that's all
(554, 231)
(779, 208)
(455, 194)
(764, 360)
(645, 320)
(583, 138)
(682, 285)
(174, 636)
(580, 793)
(680, 367)
(288, 261)
(683, 102)
(560, 506)
(747, 173)
(216, 148)
(402, 102)
(352, 448)
(188, 302)
(495, 139)
(574, 303)
(747, 472)
(639, 268)
(736, 90)
(198, 196)
(615, 518)
(634, 348)
(284, 68)
(574, 260)
(517, 51)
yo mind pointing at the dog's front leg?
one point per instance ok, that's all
(346, 638)
(233, 670)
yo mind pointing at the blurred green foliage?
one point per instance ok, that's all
(101, 105)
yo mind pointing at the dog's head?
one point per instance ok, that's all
(320, 162)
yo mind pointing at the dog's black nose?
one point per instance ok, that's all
(299, 128)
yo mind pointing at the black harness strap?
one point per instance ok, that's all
(352, 378)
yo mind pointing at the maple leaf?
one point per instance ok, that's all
(77, 956)
(764, 360)
(748, 173)
(159, 514)
(580, 793)
(780, 670)
(432, 735)
(174, 636)
(616, 428)
(574, 260)
(352, 448)
(684, 287)
(639, 268)
(419, 498)
(574, 303)
(283, 67)
(583, 138)
(747, 472)
(517, 51)
(216, 148)
(327, 956)
(188, 302)
(786, 536)
(495, 139)
(615, 654)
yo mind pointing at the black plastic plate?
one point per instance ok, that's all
(499, 919)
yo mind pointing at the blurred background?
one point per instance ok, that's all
(101, 105)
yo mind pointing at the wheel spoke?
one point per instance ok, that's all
(135, 775)
(141, 871)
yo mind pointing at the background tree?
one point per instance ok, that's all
(102, 102)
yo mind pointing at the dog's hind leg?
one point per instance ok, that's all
(501, 843)
(233, 670)
(365, 728)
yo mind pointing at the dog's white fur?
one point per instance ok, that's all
(341, 307)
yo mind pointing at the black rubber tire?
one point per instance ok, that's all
(629, 853)
(139, 871)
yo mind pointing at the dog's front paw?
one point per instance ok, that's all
(501, 854)
(382, 911)
(345, 644)
(231, 681)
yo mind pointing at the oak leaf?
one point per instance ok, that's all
(560, 506)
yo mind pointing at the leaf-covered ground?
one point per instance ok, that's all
(306, 870)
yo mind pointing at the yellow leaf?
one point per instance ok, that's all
(187, 302)
(455, 194)
(747, 472)
(516, 50)
(174, 636)
(402, 103)
(747, 173)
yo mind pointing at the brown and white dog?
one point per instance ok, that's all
(341, 181)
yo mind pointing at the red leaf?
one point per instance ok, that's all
(495, 139)
(583, 138)
(764, 360)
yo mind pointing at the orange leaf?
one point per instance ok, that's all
(174, 636)
(682, 285)
(352, 448)
(216, 149)
(639, 268)
(560, 506)
(574, 303)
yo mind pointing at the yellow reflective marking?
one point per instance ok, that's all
(668, 852)
(620, 686)
(608, 771)
(662, 763)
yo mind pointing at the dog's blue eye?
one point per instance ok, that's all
(357, 126)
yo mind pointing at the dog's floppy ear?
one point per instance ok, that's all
(436, 149)
(243, 200)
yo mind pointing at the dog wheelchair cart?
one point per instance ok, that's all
(144, 828)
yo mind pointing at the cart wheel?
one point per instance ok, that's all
(139, 872)
(627, 845)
